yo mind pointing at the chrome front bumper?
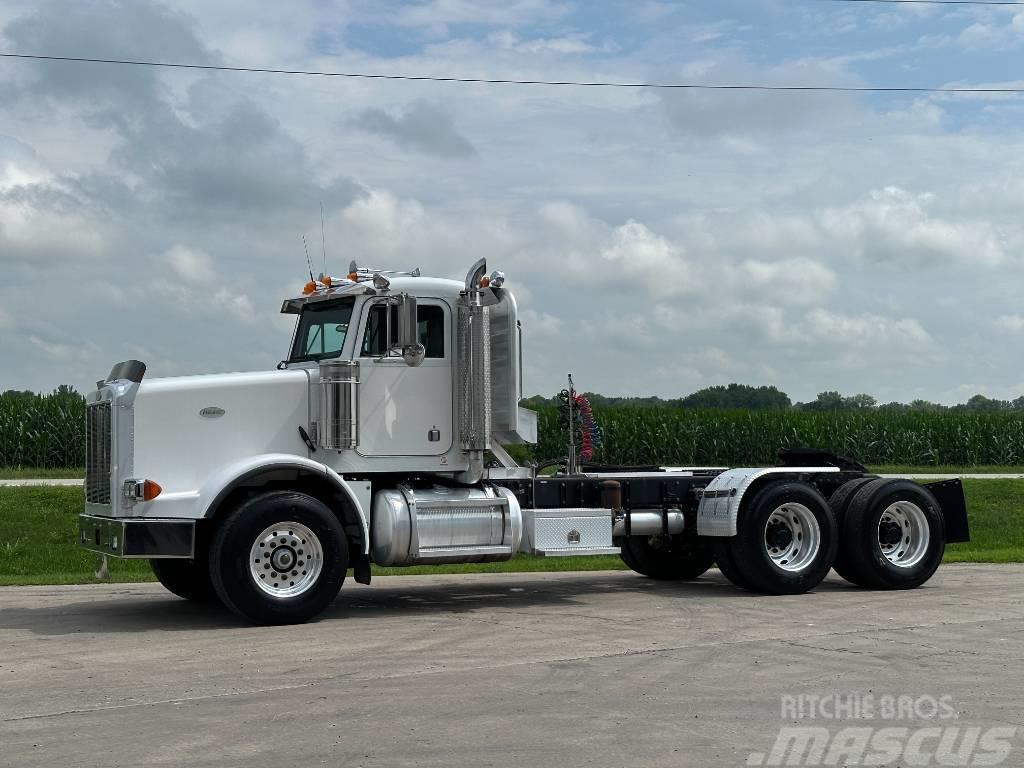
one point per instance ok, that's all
(135, 538)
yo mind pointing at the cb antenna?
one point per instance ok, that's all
(308, 262)
(323, 237)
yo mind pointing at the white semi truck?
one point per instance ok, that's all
(369, 444)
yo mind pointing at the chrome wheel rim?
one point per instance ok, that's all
(903, 534)
(792, 537)
(286, 559)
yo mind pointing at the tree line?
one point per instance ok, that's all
(727, 397)
(767, 398)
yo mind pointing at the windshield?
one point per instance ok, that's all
(322, 330)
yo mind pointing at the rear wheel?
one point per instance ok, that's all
(840, 503)
(659, 557)
(893, 534)
(189, 579)
(786, 539)
(279, 558)
(723, 558)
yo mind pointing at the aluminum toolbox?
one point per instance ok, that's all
(568, 531)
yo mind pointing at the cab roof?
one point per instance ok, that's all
(326, 288)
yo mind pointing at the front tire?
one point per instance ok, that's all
(189, 579)
(786, 539)
(279, 558)
(659, 557)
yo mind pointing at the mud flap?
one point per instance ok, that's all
(950, 495)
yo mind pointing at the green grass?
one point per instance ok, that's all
(948, 469)
(36, 473)
(38, 525)
(995, 509)
(38, 528)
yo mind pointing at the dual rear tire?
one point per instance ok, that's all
(892, 533)
(876, 533)
(785, 543)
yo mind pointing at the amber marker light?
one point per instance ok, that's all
(150, 490)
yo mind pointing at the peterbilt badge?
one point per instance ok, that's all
(212, 412)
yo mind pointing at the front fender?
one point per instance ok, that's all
(203, 502)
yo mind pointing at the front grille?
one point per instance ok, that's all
(97, 453)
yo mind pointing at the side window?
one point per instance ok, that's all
(374, 343)
(430, 329)
(430, 322)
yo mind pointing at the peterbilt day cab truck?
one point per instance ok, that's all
(369, 444)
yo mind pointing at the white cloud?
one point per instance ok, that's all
(790, 281)
(45, 235)
(191, 265)
(567, 44)
(893, 225)
(436, 13)
(62, 352)
(635, 253)
(866, 330)
(238, 305)
(541, 324)
(1010, 323)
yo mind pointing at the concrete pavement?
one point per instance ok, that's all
(517, 670)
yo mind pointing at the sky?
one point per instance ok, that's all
(657, 241)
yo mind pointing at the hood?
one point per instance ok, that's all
(186, 427)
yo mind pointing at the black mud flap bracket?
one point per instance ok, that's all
(950, 495)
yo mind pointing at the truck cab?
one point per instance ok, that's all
(394, 388)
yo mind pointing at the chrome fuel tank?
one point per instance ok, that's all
(444, 525)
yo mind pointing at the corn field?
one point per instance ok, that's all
(42, 430)
(48, 431)
(673, 436)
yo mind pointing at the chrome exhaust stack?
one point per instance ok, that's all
(339, 405)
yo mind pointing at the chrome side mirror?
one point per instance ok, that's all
(408, 332)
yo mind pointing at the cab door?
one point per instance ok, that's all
(406, 411)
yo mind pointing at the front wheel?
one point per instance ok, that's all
(279, 558)
(189, 579)
(659, 557)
